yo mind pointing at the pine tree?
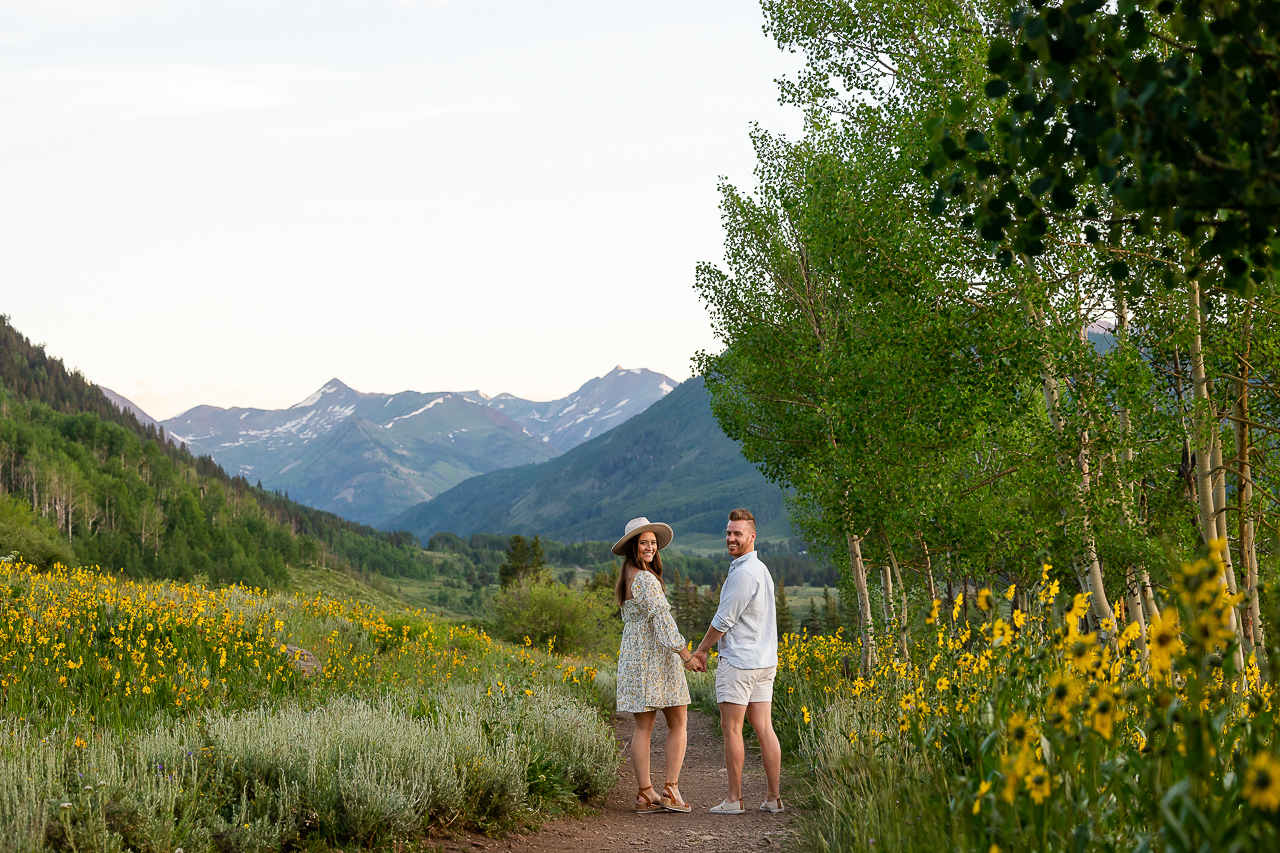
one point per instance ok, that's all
(537, 557)
(518, 558)
(786, 619)
(812, 620)
(830, 615)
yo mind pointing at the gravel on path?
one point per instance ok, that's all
(702, 781)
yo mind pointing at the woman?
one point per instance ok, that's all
(649, 676)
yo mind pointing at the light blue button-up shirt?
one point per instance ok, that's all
(747, 615)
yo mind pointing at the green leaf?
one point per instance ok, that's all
(999, 55)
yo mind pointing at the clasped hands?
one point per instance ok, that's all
(697, 662)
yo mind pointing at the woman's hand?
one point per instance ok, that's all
(692, 664)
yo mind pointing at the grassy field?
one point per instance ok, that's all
(157, 716)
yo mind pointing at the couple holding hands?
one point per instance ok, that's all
(652, 653)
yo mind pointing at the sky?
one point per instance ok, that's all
(230, 202)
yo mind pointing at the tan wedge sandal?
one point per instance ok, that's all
(650, 806)
(669, 800)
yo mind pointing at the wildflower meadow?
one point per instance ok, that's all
(165, 716)
(1017, 730)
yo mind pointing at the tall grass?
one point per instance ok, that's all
(157, 716)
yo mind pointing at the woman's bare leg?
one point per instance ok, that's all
(640, 750)
(677, 740)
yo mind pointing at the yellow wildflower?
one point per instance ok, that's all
(1262, 782)
(932, 618)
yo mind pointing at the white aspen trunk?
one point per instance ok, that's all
(864, 602)
(1253, 636)
(1220, 516)
(886, 588)
(1205, 425)
(1100, 604)
(1244, 504)
(902, 590)
(928, 567)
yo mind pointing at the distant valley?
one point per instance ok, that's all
(369, 457)
(671, 463)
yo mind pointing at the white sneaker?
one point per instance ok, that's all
(773, 806)
(727, 807)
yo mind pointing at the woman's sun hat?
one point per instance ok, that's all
(636, 526)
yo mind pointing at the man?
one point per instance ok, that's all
(746, 628)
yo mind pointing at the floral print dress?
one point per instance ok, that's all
(650, 672)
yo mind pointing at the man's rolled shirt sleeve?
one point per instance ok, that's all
(734, 598)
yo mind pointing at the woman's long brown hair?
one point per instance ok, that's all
(632, 558)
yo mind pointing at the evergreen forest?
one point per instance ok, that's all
(83, 483)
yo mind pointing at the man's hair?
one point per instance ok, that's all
(741, 514)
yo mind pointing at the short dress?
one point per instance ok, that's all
(650, 672)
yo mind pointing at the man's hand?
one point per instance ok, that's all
(694, 665)
(701, 658)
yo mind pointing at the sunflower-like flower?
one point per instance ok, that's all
(1130, 633)
(985, 599)
(983, 789)
(1164, 640)
(1015, 768)
(1262, 782)
(1079, 607)
(1105, 712)
(1022, 732)
(932, 618)
(1001, 634)
(1038, 783)
(1064, 696)
(1082, 651)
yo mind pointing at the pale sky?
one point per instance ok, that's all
(231, 201)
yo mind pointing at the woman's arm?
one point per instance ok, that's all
(653, 604)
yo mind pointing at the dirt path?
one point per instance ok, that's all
(702, 782)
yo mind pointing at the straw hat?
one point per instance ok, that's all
(636, 526)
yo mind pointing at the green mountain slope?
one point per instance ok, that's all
(82, 481)
(365, 472)
(671, 463)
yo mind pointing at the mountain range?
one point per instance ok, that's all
(369, 457)
(671, 463)
(593, 409)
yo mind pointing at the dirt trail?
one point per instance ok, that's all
(702, 781)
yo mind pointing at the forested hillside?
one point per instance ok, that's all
(81, 481)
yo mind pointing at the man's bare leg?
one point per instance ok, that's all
(731, 717)
(760, 715)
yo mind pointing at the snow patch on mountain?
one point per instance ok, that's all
(392, 422)
(316, 397)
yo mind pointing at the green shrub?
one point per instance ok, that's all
(575, 621)
(31, 537)
(346, 772)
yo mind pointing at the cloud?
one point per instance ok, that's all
(67, 96)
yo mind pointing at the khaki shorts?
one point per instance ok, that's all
(744, 686)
